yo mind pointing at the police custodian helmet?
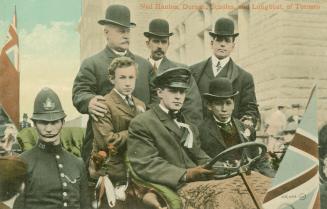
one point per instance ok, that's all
(47, 106)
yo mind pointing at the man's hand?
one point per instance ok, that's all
(97, 108)
(247, 121)
(197, 173)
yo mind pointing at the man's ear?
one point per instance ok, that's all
(21, 188)
(112, 81)
(147, 42)
(209, 106)
(159, 91)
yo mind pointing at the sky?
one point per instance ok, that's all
(49, 47)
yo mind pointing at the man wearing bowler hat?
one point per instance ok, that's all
(91, 82)
(220, 130)
(220, 64)
(163, 147)
(158, 43)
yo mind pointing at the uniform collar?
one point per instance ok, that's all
(49, 147)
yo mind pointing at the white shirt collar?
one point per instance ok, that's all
(217, 120)
(164, 108)
(152, 61)
(215, 61)
(122, 95)
(119, 53)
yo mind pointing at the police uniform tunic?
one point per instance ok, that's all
(56, 179)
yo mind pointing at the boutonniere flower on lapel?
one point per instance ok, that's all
(246, 133)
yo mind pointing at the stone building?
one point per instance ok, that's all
(282, 43)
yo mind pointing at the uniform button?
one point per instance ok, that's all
(64, 193)
(62, 174)
(64, 184)
(60, 166)
(57, 156)
(65, 204)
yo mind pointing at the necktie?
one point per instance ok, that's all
(227, 127)
(218, 68)
(129, 101)
(155, 69)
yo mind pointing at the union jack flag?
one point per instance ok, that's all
(9, 74)
(296, 185)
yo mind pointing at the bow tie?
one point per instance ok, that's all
(176, 115)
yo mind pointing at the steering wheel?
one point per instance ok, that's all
(242, 165)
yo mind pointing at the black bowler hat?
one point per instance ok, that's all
(177, 77)
(224, 27)
(158, 27)
(220, 88)
(119, 15)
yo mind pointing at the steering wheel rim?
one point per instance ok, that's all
(244, 163)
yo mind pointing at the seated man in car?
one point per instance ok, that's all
(110, 135)
(164, 148)
(220, 130)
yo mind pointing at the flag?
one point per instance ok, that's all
(296, 184)
(9, 74)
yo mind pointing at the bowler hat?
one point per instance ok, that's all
(158, 27)
(177, 77)
(220, 88)
(224, 27)
(119, 15)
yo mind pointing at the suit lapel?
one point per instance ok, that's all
(208, 70)
(164, 65)
(167, 121)
(232, 71)
(240, 130)
(121, 104)
(215, 132)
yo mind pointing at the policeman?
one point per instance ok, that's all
(56, 178)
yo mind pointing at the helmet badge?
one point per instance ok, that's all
(49, 104)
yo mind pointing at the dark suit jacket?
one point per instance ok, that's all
(192, 107)
(155, 149)
(245, 101)
(212, 142)
(92, 80)
(113, 129)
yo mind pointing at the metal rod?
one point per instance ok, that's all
(251, 191)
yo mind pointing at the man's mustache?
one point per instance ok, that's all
(159, 50)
